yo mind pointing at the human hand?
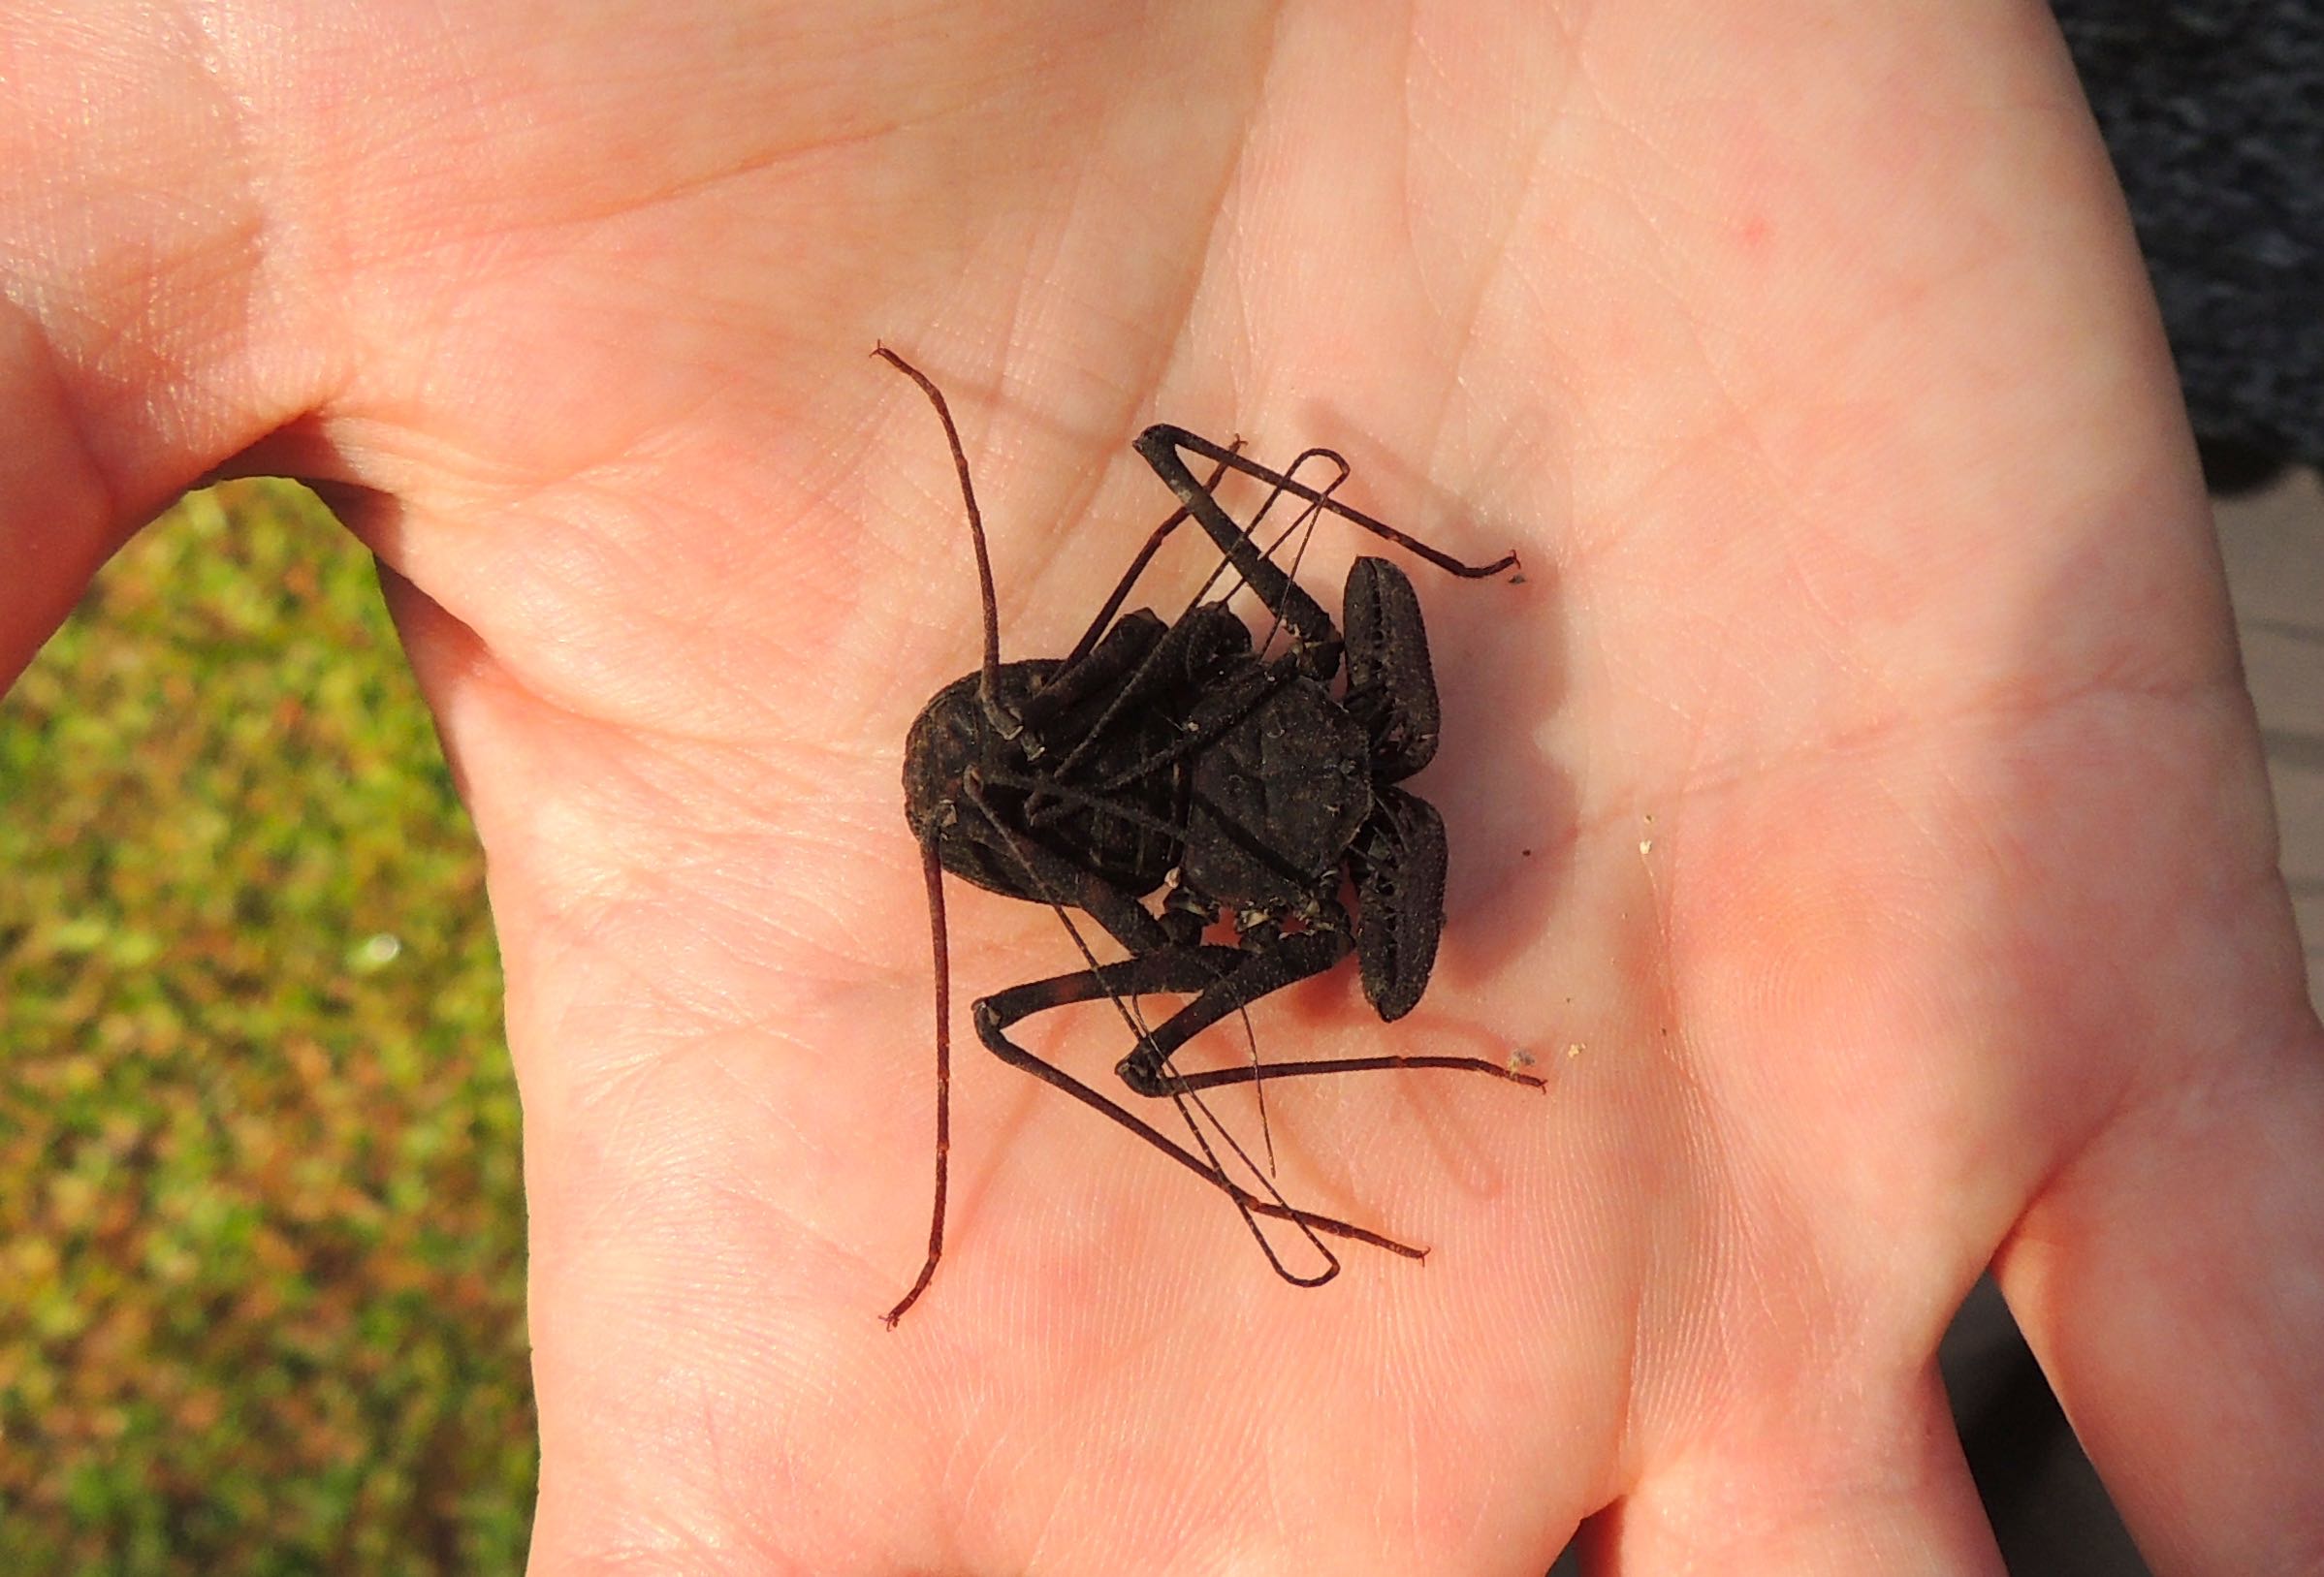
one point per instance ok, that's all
(1900, 861)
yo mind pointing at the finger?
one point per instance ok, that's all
(2171, 1279)
(56, 523)
(130, 360)
(1844, 1484)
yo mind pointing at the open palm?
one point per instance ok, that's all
(1856, 812)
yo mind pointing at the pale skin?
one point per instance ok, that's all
(1856, 814)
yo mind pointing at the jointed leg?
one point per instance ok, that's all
(1254, 972)
(1202, 622)
(1247, 1072)
(1252, 975)
(1285, 598)
(1159, 446)
(1138, 567)
(1196, 968)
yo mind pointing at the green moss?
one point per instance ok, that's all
(261, 1234)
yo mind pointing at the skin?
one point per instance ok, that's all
(1858, 812)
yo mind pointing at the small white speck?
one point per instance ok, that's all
(379, 949)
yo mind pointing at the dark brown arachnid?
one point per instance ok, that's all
(1180, 757)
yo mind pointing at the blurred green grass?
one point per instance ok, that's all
(261, 1229)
